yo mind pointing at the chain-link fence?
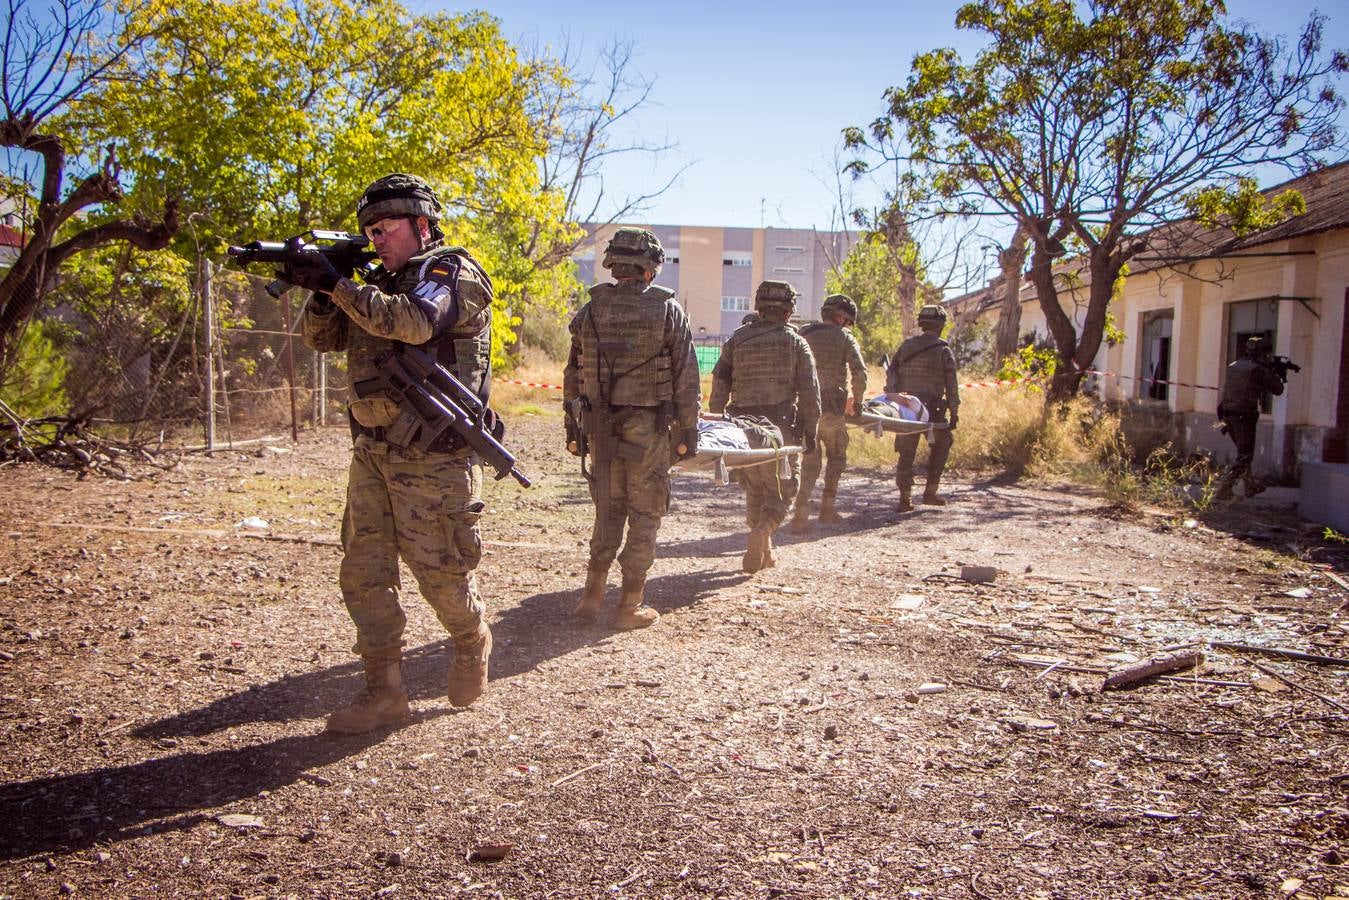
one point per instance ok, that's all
(264, 380)
(207, 358)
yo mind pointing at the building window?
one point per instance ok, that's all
(1155, 370)
(737, 258)
(789, 270)
(1248, 319)
(789, 249)
(734, 304)
(673, 260)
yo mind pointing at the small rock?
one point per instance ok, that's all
(1030, 723)
(932, 687)
(6, 655)
(67, 888)
(474, 752)
(102, 857)
(831, 732)
(488, 852)
(393, 859)
(308, 835)
(978, 574)
(240, 821)
(1301, 593)
(271, 879)
(319, 780)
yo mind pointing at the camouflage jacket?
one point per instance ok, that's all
(836, 355)
(441, 301)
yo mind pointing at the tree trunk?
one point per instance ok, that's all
(1012, 261)
(1066, 377)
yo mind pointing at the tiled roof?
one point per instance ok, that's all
(10, 236)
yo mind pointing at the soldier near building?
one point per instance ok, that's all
(838, 365)
(766, 369)
(925, 367)
(422, 506)
(632, 374)
(1248, 379)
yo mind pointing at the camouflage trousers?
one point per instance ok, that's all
(767, 497)
(1242, 430)
(639, 495)
(424, 508)
(831, 444)
(939, 448)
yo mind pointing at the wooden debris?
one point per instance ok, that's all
(1281, 653)
(488, 852)
(1297, 687)
(1157, 665)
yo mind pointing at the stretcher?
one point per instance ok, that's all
(894, 414)
(724, 446)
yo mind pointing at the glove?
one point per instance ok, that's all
(688, 438)
(808, 443)
(955, 417)
(313, 271)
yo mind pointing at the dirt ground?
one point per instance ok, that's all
(856, 722)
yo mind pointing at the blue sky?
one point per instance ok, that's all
(756, 96)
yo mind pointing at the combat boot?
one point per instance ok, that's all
(769, 561)
(381, 702)
(1253, 486)
(801, 518)
(930, 492)
(592, 598)
(631, 614)
(827, 511)
(754, 553)
(905, 500)
(468, 672)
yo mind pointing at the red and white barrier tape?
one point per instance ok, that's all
(1202, 387)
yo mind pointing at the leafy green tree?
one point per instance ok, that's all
(882, 280)
(270, 118)
(1094, 124)
(53, 58)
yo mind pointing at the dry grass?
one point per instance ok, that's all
(1124, 452)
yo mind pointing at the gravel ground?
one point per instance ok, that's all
(856, 722)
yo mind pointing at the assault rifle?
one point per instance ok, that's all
(431, 402)
(348, 253)
(1282, 365)
(595, 429)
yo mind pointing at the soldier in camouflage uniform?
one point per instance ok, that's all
(836, 356)
(422, 506)
(1248, 379)
(631, 350)
(925, 367)
(766, 369)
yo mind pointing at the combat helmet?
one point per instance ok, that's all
(932, 314)
(775, 293)
(634, 247)
(1257, 345)
(397, 195)
(841, 302)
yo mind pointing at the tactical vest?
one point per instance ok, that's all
(466, 353)
(829, 344)
(919, 368)
(763, 361)
(623, 357)
(1241, 389)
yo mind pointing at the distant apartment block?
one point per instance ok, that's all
(713, 271)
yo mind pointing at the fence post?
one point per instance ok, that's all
(209, 308)
(290, 370)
